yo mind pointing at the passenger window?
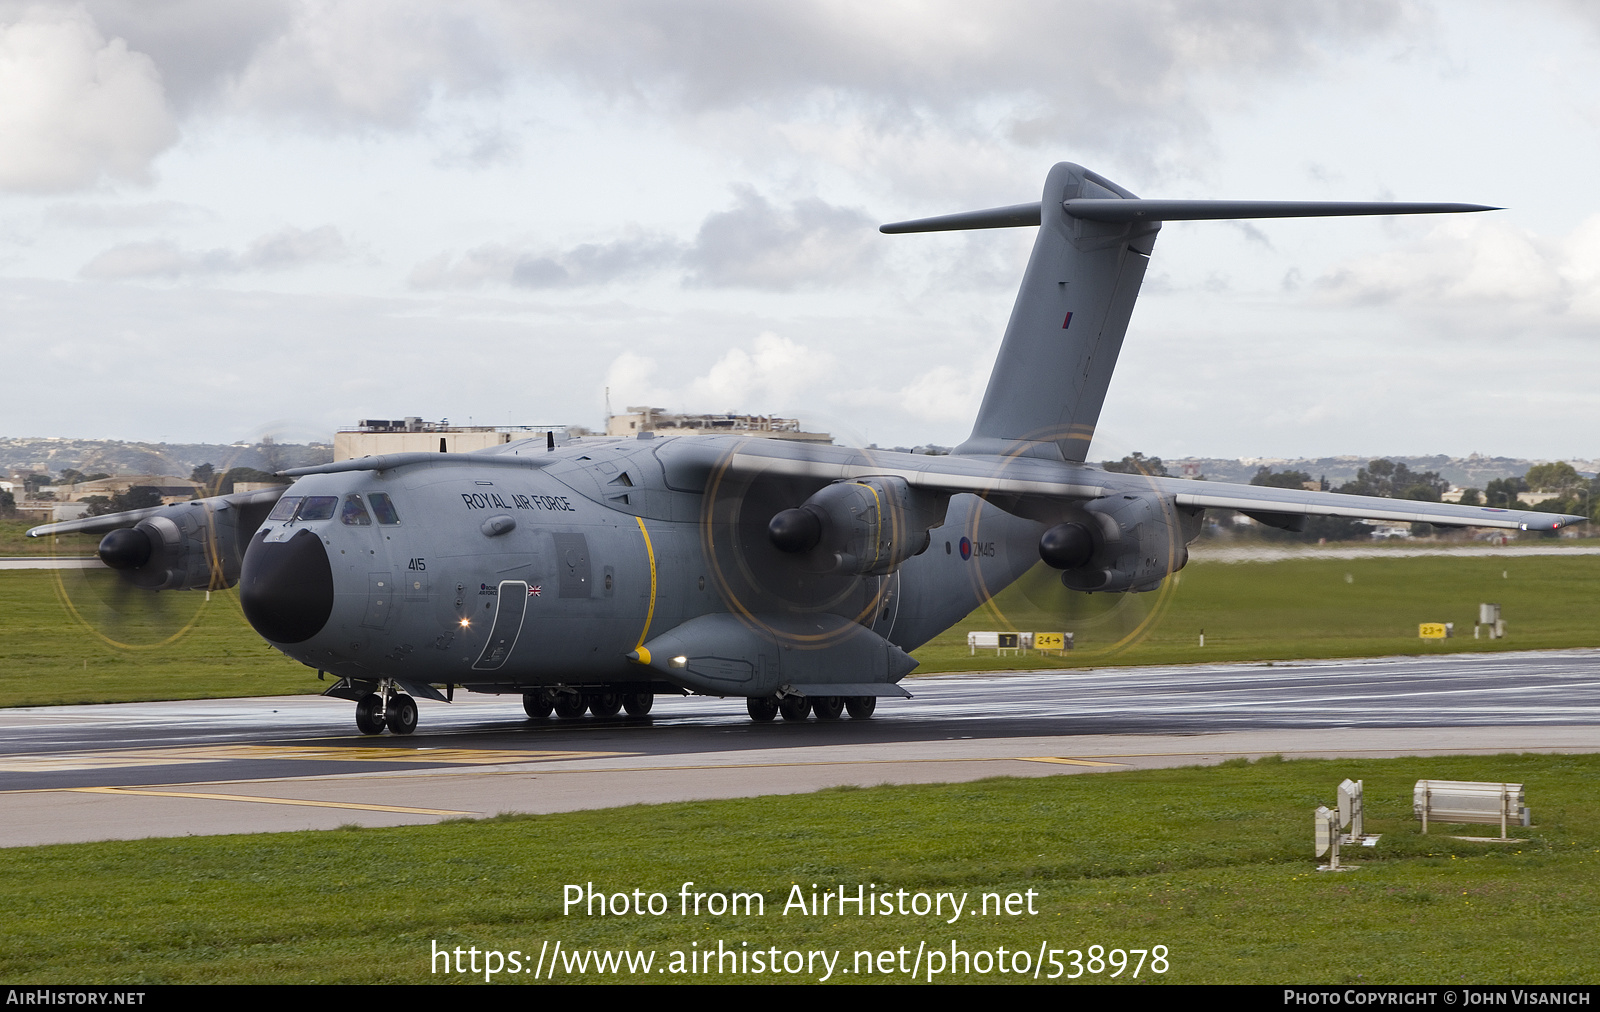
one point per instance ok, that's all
(285, 508)
(383, 509)
(318, 507)
(354, 514)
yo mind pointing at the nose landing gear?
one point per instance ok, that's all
(388, 707)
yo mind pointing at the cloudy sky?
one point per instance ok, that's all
(219, 218)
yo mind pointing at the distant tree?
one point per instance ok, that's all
(1471, 497)
(136, 498)
(1136, 463)
(32, 483)
(1282, 479)
(99, 505)
(1502, 493)
(8, 504)
(205, 474)
(69, 476)
(1557, 477)
(1396, 481)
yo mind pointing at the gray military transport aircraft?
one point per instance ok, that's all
(591, 574)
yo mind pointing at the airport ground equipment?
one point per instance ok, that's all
(1472, 802)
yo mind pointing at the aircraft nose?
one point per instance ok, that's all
(286, 588)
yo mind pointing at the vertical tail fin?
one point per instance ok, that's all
(1066, 330)
(1067, 325)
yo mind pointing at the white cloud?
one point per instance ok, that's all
(77, 108)
(943, 394)
(282, 250)
(774, 375)
(758, 245)
(1481, 263)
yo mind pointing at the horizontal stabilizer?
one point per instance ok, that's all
(995, 217)
(1114, 209)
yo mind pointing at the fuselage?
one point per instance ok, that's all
(552, 566)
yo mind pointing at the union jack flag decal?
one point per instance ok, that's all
(533, 590)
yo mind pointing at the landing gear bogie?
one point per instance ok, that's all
(570, 705)
(762, 708)
(827, 707)
(861, 707)
(794, 708)
(538, 705)
(638, 704)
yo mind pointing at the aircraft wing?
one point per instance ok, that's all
(1024, 482)
(1288, 502)
(114, 521)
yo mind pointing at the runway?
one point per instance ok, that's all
(133, 770)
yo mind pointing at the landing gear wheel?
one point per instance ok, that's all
(368, 714)
(638, 703)
(569, 705)
(605, 704)
(538, 704)
(402, 716)
(762, 708)
(794, 707)
(861, 707)
(827, 707)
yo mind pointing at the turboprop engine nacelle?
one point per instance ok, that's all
(189, 546)
(866, 526)
(1121, 542)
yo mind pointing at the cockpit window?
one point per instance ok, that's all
(383, 508)
(285, 508)
(354, 514)
(318, 507)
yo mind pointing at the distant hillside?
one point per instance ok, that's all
(1466, 472)
(117, 457)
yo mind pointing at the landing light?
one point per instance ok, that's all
(680, 661)
(466, 622)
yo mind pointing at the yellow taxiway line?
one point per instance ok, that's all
(139, 792)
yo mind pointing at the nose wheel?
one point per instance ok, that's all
(369, 714)
(386, 708)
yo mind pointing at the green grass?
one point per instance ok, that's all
(1254, 611)
(1303, 608)
(1214, 863)
(14, 541)
(52, 658)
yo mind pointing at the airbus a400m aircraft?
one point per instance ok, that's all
(593, 574)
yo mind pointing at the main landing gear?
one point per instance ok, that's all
(388, 707)
(764, 708)
(570, 704)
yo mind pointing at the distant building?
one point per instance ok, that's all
(172, 488)
(373, 436)
(659, 420)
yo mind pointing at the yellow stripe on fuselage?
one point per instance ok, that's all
(650, 613)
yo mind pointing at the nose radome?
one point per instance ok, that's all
(286, 588)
